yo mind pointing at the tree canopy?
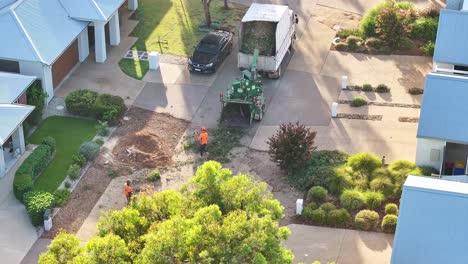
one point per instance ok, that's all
(215, 218)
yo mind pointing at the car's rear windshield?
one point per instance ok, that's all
(207, 47)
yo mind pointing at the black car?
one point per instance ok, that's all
(211, 51)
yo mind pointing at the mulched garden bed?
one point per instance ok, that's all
(360, 116)
(384, 104)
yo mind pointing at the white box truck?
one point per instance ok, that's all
(272, 30)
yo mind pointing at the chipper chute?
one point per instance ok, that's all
(244, 100)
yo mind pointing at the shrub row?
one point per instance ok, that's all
(327, 214)
(88, 103)
(30, 169)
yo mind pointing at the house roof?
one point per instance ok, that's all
(37, 30)
(265, 12)
(431, 220)
(444, 108)
(452, 36)
(12, 86)
(11, 116)
(91, 10)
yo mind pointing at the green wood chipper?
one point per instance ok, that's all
(245, 96)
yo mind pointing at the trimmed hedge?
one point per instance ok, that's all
(36, 204)
(366, 220)
(88, 103)
(317, 194)
(31, 169)
(50, 141)
(389, 223)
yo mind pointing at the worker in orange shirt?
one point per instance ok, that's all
(203, 138)
(128, 190)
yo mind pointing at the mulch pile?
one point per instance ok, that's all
(150, 137)
(260, 35)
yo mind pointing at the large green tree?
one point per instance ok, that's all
(216, 218)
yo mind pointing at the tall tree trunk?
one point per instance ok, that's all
(226, 4)
(206, 9)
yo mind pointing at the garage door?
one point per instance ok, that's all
(65, 63)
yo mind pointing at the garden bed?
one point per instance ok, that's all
(384, 104)
(360, 116)
(68, 133)
(392, 28)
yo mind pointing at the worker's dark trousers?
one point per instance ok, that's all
(202, 149)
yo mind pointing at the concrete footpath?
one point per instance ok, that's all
(343, 246)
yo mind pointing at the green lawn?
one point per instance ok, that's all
(134, 68)
(69, 134)
(177, 21)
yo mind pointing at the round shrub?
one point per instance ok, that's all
(352, 199)
(341, 46)
(110, 108)
(425, 28)
(338, 217)
(353, 42)
(318, 216)
(367, 87)
(389, 223)
(36, 204)
(428, 48)
(364, 163)
(89, 150)
(327, 207)
(366, 220)
(74, 171)
(400, 169)
(382, 88)
(307, 211)
(375, 43)
(382, 184)
(358, 101)
(391, 208)
(153, 175)
(374, 199)
(79, 160)
(317, 194)
(379, 173)
(291, 146)
(81, 102)
(424, 171)
(67, 185)
(50, 141)
(340, 180)
(61, 197)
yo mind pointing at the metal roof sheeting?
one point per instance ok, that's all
(265, 12)
(452, 37)
(12, 86)
(431, 222)
(37, 30)
(444, 108)
(11, 116)
(91, 10)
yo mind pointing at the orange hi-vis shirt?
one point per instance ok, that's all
(203, 138)
(127, 190)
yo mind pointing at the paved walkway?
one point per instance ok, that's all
(310, 243)
(17, 234)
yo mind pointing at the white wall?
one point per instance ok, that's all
(42, 72)
(423, 152)
(432, 223)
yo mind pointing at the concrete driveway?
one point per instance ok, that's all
(310, 243)
(17, 234)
